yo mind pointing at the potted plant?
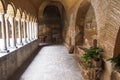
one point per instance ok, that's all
(116, 61)
(92, 56)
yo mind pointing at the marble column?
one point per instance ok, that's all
(19, 32)
(13, 39)
(33, 31)
(3, 30)
(36, 30)
(7, 31)
(25, 33)
(30, 25)
(28, 31)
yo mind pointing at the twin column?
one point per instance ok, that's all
(8, 23)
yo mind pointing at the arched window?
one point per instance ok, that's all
(11, 24)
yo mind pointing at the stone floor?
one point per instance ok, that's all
(53, 63)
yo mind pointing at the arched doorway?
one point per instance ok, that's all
(90, 28)
(50, 28)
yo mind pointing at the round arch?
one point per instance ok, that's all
(46, 3)
(31, 18)
(2, 7)
(80, 22)
(11, 10)
(19, 13)
(28, 17)
(51, 11)
(24, 15)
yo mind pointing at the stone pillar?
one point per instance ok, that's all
(28, 31)
(13, 40)
(25, 33)
(7, 31)
(36, 30)
(33, 31)
(19, 32)
(3, 30)
(30, 26)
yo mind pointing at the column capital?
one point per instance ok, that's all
(17, 18)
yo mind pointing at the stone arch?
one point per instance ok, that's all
(45, 3)
(83, 10)
(17, 27)
(28, 17)
(11, 10)
(52, 25)
(31, 18)
(19, 13)
(24, 15)
(2, 6)
(10, 13)
(56, 11)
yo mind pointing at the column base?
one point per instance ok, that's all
(13, 47)
(31, 39)
(28, 40)
(20, 44)
(25, 42)
(4, 51)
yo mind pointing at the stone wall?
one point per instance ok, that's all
(13, 60)
(50, 33)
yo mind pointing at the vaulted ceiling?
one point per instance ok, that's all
(66, 3)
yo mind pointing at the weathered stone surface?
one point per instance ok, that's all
(12, 61)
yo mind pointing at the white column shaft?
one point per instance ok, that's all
(7, 32)
(13, 40)
(4, 46)
(25, 35)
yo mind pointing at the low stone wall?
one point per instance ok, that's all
(12, 61)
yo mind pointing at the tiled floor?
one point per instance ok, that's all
(53, 63)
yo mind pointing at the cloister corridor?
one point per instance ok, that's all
(53, 62)
(59, 39)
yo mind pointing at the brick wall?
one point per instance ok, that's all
(108, 21)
